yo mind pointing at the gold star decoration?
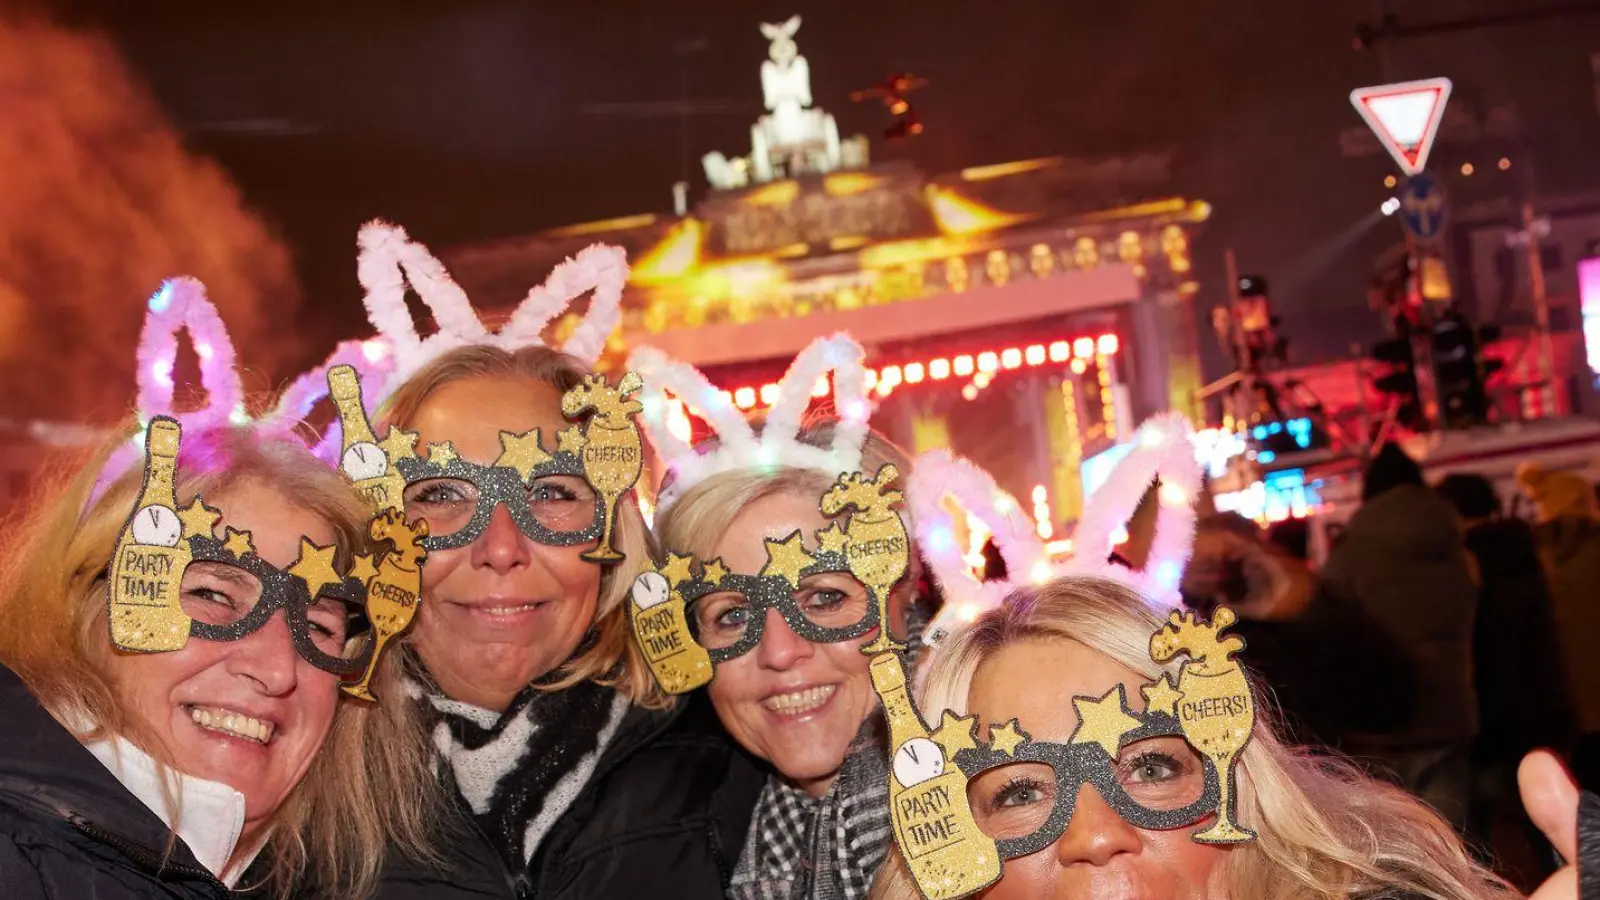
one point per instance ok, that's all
(955, 733)
(1103, 721)
(315, 567)
(521, 452)
(832, 539)
(787, 558)
(570, 440)
(1161, 696)
(677, 569)
(399, 444)
(713, 572)
(1006, 738)
(238, 543)
(362, 569)
(198, 519)
(442, 454)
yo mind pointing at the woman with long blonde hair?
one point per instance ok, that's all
(232, 762)
(582, 777)
(1323, 830)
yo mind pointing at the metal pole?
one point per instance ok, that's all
(1541, 307)
(1241, 355)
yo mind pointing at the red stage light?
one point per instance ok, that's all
(1060, 351)
(939, 369)
(769, 394)
(891, 376)
(988, 361)
(1083, 348)
(913, 373)
(963, 366)
(744, 397)
(1010, 358)
(1107, 344)
(1034, 355)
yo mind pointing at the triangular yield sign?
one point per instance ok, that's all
(1405, 117)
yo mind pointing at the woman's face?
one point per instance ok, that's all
(266, 709)
(789, 701)
(503, 610)
(1100, 855)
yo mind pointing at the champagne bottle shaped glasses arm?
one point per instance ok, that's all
(363, 460)
(948, 855)
(153, 552)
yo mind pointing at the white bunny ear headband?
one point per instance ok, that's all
(1162, 447)
(181, 304)
(389, 260)
(737, 446)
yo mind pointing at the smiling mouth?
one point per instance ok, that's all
(508, 609)
(796, 702)
(232, 724)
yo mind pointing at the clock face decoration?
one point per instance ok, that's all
(157, 526)
(918, 760)
(650, 590)
(364, 460)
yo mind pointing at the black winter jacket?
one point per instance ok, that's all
(665, 815)
(69, 830)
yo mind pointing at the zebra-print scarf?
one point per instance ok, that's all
(520, 769)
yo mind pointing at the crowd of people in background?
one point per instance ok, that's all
(1439, 640)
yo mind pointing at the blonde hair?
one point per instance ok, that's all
(613, 659)
(698, 519)
(1325, 830)
(335, 827)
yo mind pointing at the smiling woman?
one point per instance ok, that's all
(234, 738)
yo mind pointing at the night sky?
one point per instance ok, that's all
(473, 120)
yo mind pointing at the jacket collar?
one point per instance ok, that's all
(43, 765)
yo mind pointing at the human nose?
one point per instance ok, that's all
(502, 546)
(268, 657)
(780, 647)
(1096, 833)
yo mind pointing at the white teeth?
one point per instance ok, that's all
(800, 701)
(233, 723)
(508, 610)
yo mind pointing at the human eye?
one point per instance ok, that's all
(822, 598)
(438, 493)
(327, 621)
(1023, 790)
(722, 617)
(1152, 767)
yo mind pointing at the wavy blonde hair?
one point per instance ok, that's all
(698, 519)
(613, 660)
(1325, 830)
(335, 826)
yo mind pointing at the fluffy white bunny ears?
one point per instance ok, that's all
(737, 445)
(1162, 447)
(389, 260)
(181, 305)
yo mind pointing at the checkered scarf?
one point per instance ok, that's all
(828, 848)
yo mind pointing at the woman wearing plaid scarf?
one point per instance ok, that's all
(807, 709)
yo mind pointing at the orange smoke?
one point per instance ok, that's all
(99, 202)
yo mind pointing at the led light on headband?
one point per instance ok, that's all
(171, 578)
(955, 824)
(558, 498)
(686, 621)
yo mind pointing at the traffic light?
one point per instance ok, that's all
(1401, 380)
(1461, 371)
